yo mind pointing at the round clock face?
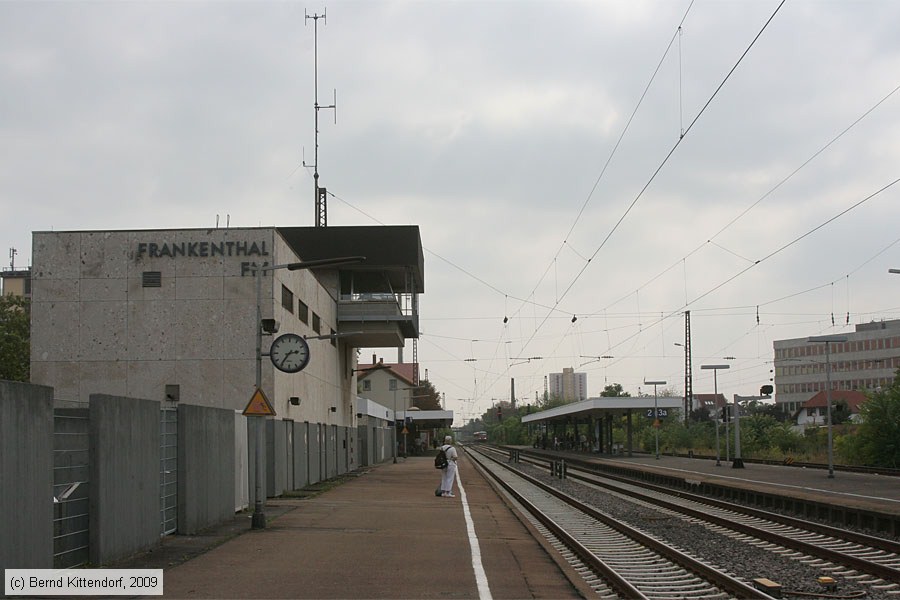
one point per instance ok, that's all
(289, 353)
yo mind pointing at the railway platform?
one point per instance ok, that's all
(380, 534)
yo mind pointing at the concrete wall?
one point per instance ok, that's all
(301, 454)
(26, 476)
(275, 457)
(241, 458)
(124, 449)
(314, 452)
(342, 449)
(330, 451)
(206, 452)
(289, 455)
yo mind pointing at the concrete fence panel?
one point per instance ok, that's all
(26, 476)
(301, 455)
(241, 458)
(206, 460)
(275, 455)
(315, 454)
(124, 450)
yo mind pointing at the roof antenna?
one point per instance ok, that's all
(12, 259)
(227, 220)
(217, 220)
(320, 193)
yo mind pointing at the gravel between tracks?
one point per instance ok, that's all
(725, 553)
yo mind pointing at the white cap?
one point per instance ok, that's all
(448, 439)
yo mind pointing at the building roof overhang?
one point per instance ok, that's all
(602, 405)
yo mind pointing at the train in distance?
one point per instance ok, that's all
(480, 436)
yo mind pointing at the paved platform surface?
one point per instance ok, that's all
(862, 490)
(380, 534)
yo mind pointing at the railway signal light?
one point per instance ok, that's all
(499, 413)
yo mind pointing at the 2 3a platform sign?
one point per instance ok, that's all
(660, 413)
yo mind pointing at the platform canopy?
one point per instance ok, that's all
(595, 407)
(427, 418)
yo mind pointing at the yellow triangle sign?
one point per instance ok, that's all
(259, 406)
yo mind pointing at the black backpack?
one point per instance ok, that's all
(440, 461)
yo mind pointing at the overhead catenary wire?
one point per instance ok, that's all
(667, 157)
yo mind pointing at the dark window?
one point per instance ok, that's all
(287, 299)
(302, 311)
(317, 323)
(367, 385)
(392, 384)
(151, 279)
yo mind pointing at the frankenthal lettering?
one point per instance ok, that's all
(200, 249)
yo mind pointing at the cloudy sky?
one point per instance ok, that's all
(619, 162)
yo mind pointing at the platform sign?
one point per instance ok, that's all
(259, 406)
(660, 413)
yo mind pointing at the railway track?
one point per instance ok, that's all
(623, 560)
(870, 561)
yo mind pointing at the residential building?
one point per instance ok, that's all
(394, 385)
(814, 411)
(15, 282)
(868, 360)
(569, 385)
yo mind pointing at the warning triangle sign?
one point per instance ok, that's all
(259, 406)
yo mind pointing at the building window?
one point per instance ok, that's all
(317, 323)
(287, 299)
(302, 311)
(367, 385)
(392, 384)
(151, 279)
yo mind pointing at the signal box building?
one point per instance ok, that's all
(171, 315)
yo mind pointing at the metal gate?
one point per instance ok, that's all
(168, 471)
(71, 468)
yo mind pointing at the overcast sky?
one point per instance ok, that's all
(561, 159)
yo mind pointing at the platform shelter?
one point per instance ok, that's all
(593, 419)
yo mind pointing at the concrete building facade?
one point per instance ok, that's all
(568, 385)
(868, 360)
(171, 315)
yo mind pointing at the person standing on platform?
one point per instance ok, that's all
(448, 475)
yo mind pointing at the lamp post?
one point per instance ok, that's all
(828, 340)
(655, 411)
(258, 520)
(715, 370)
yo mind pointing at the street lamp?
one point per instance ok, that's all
(655, 411)
(715, 370)
(258, 520)
(828, 340)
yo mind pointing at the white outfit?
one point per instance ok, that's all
(448, 475)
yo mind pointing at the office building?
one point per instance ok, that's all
(868, 360)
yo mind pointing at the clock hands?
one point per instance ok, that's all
(287, 355)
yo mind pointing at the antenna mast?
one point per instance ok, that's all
(320, 193)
